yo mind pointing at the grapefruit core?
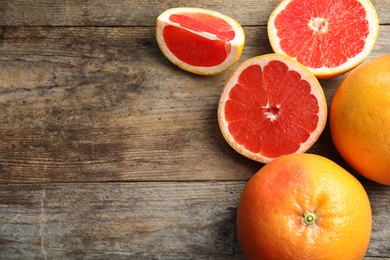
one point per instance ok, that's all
(271, 106)
(198, 40)
(330, 37)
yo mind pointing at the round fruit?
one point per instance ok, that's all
(328, 37)
(271, 106)
(360, 119)
(303, 206)
(198, 40)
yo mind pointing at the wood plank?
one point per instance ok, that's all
(164, 220)
(118, 13)
(90, 107)
(99, 117)
(131, 13)
(101, 221)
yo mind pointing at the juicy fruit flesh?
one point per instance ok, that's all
(271, 110)
(190, 44)
(204, 23)
(329, 36)
(194, 49)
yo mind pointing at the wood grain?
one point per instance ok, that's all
(164, 220)
(136, 220)
(96, 105)
(120, 13)
(108, 151)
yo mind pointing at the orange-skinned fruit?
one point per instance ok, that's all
(303, 206)
(360, 119)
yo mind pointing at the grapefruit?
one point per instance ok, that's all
(330, 37)
(360, 119)
(199, 40)
(271, 106)
(303, 206)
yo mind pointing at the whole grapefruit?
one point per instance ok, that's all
(303, 206)
(360, 119)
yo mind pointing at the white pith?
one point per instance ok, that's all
(318, 24)
(270, 115)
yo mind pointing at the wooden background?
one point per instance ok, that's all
(108, 151)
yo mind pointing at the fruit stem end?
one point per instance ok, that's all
(309, 218)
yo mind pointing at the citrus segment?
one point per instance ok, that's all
(329, 37)
(360, 119)
(199, 40)
(192, 48)
(303, 206)
(203, 22)
(271, 106)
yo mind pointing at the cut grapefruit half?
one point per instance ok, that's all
(330, 37)
(199, 40)
(271, 106)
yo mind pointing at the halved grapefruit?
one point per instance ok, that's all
(199, 40)
(271, 106)
(330, 37)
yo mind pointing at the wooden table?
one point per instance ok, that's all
(108, 151)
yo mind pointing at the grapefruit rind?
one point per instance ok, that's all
(359, 119)
(236, 44)
(327, 72)
(306, 75)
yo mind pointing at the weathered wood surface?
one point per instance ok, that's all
(108, 151)
(148, 220)
(111, 220)
(120, 13)
(95, 105)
